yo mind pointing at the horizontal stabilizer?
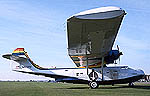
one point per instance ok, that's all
(14, 57)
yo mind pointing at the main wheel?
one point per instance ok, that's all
(93, 84)
(131, 84)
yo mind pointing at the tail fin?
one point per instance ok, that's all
(18, 51)
(20, 56)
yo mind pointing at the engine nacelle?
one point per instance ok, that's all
(112, 56)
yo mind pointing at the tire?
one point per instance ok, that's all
(93, 85)
(131, 84)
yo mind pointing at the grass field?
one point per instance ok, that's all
(64, 89)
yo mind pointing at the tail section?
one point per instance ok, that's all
(20, 56)
(18, 51)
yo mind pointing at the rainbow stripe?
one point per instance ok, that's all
(18, 51)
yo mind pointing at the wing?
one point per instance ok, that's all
(92, 33)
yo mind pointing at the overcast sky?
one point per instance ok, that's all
(40, 27)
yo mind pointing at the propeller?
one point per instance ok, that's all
(120, 53)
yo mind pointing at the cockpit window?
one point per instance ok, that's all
(125, 67)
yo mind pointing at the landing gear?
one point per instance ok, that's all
(112, 84)
(131, 84)
(93, 77)
(93, 84)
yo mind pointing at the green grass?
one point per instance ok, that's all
(64, 89)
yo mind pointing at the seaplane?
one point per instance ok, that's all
(91, 36)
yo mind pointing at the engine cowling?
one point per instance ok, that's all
(112, 56)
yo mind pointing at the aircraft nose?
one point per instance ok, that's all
(141, 72)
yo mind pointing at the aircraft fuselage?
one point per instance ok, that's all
(112, 75)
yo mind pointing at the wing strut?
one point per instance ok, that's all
(87, 61)
(87, 65)
(102, 68)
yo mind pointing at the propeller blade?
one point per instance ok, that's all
(118, 47)
(120, 53)
(119, 59)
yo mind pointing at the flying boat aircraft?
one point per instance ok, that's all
(91, 36)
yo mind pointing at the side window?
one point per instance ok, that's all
(79, 74)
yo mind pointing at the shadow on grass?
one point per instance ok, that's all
(141, 87)
(78, 88)
(113, 87)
